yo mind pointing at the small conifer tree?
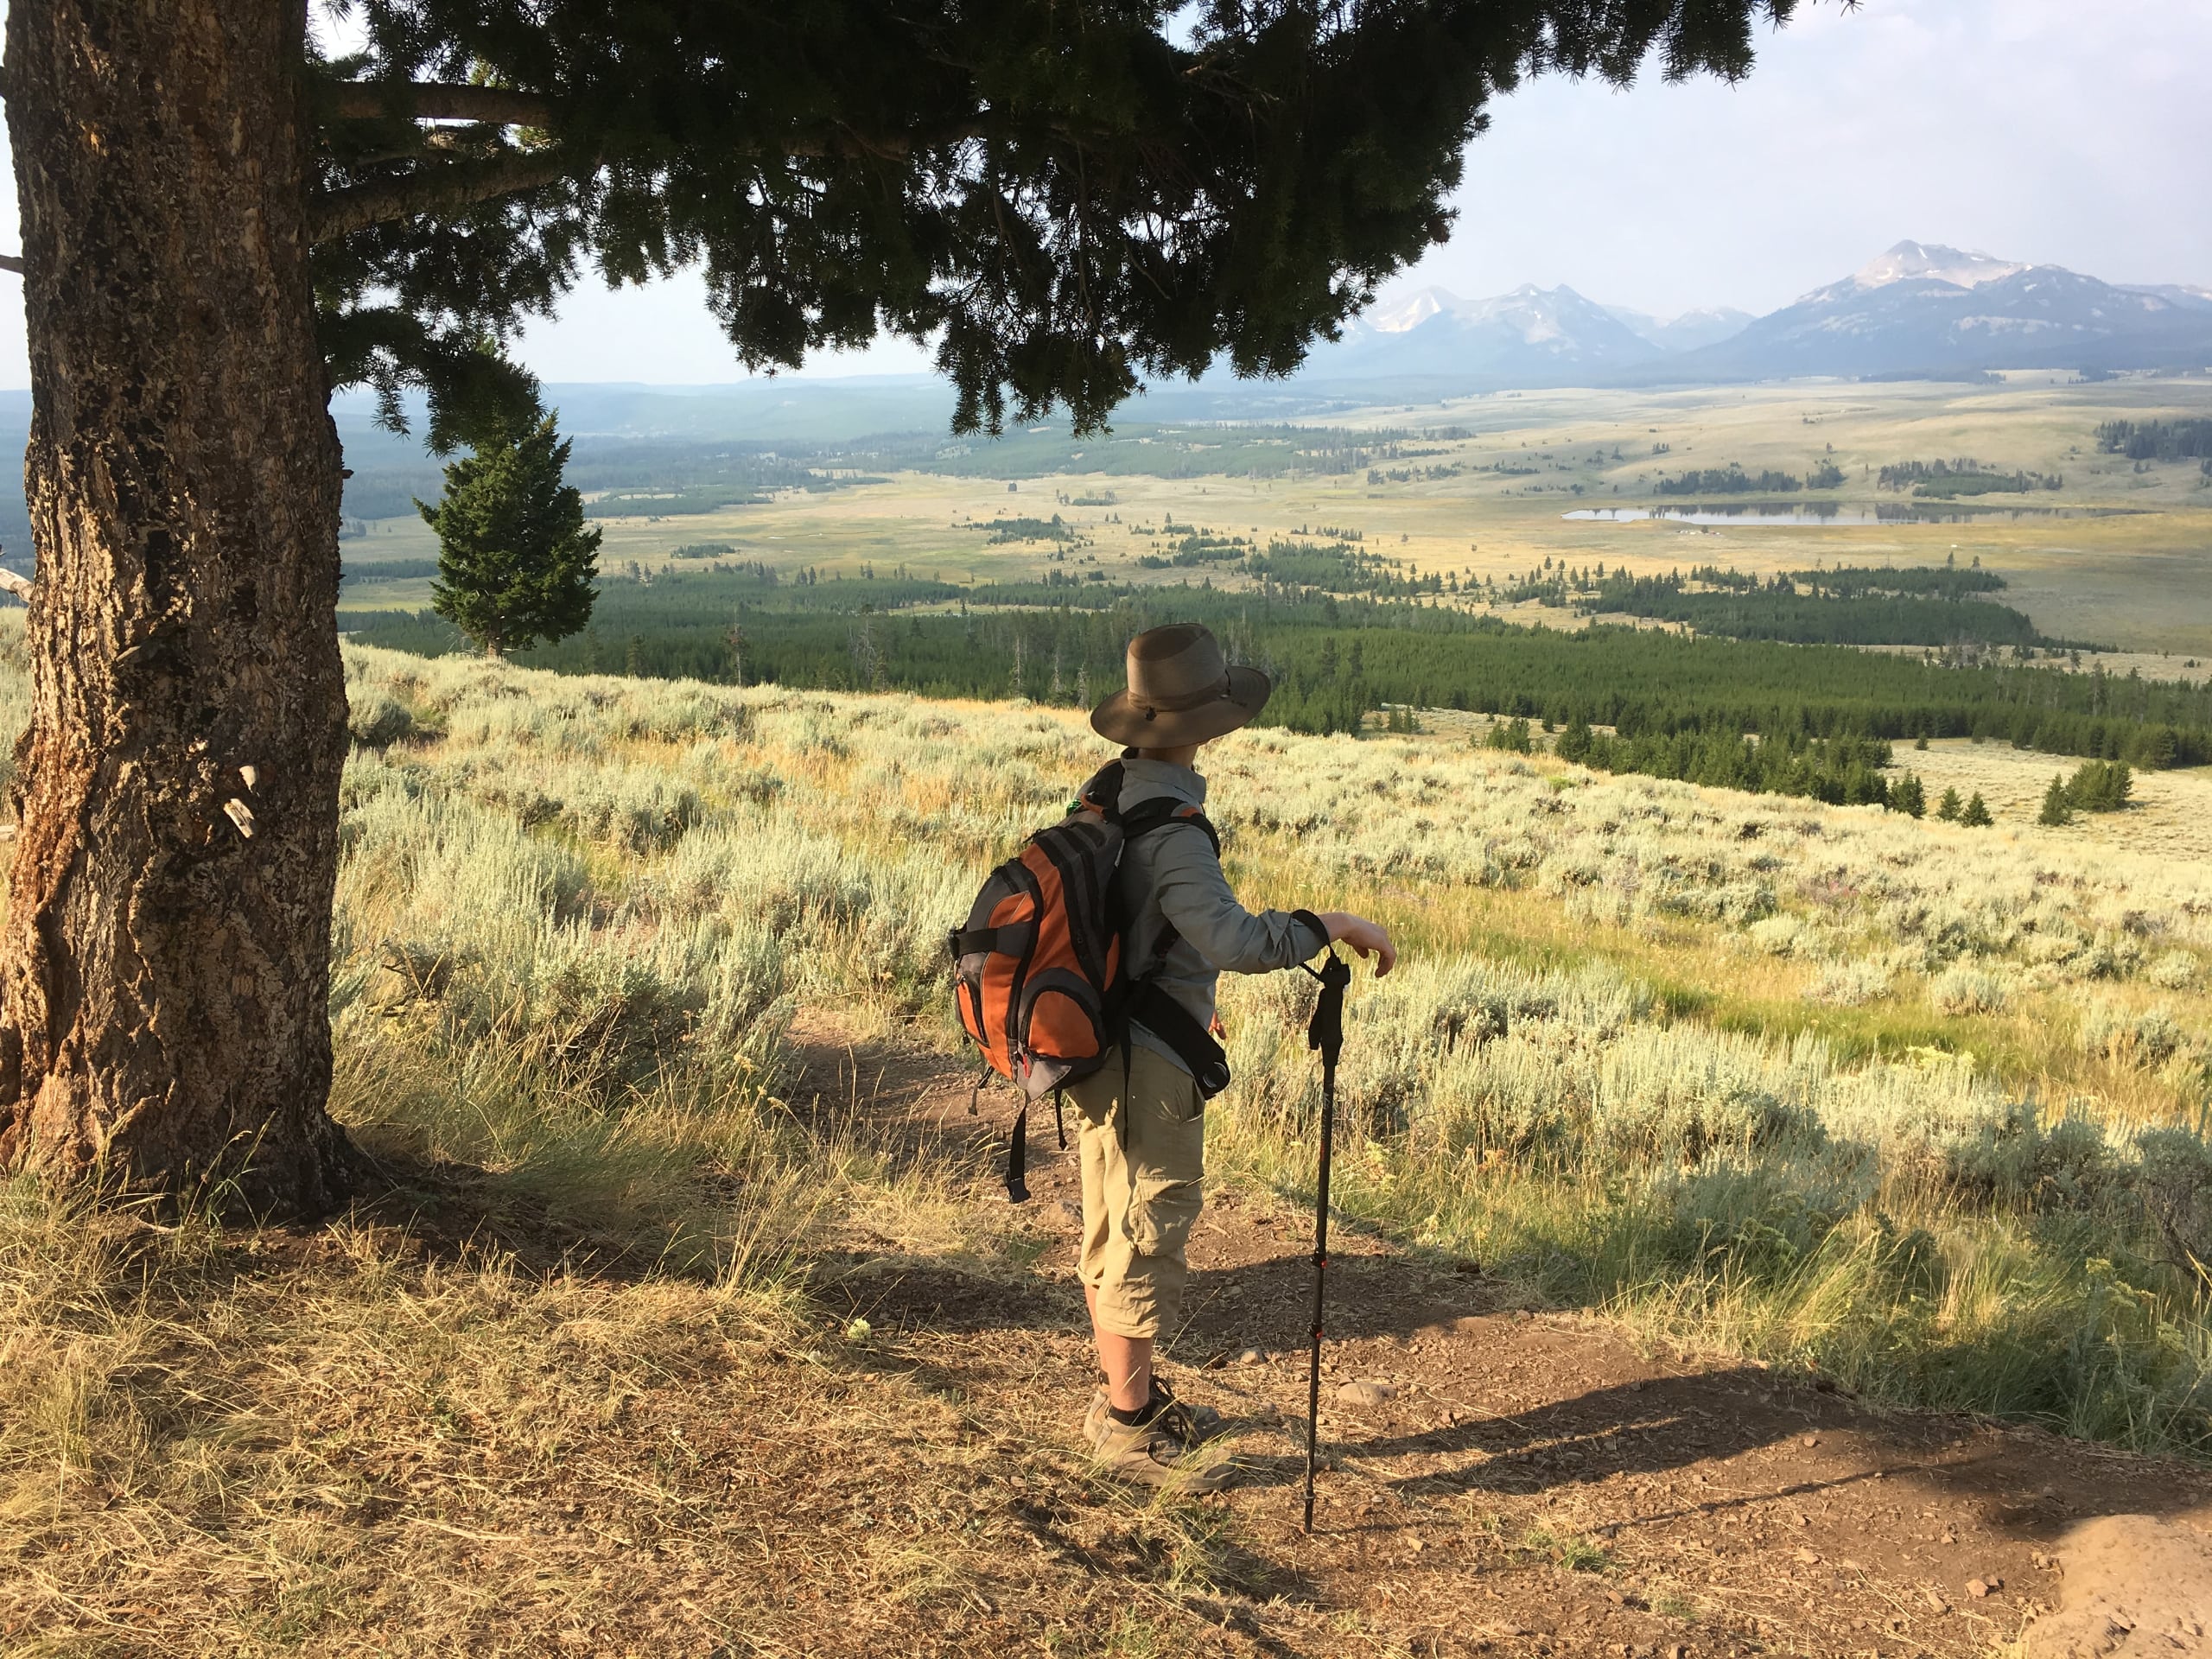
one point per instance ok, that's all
(515, 563)
(1949, 807)
(1976, 815)
(1511, 736)
(1907, 796)
(2100, 786)
(2056, 809)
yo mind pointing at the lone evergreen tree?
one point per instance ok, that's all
(515, 563)
(1949, 807)
(220, 225)
(1976, 815)
(1908, 796)
(2057, 807)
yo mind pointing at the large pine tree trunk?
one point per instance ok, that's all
(164, 972)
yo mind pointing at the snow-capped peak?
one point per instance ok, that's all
(1411, 311)
(1909, 260)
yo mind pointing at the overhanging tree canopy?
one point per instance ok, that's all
(1063, 196)
(1066, 195)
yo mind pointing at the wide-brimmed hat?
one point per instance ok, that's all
(1181, 690)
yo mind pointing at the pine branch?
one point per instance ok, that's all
(457, 185)
(443, 189)
(406, 101)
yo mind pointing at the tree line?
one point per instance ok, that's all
(1781, 614)
(2189, 440)
(1337, 658)
(1854, 605)
(1841, 771)
(1731, 480)
(1941, 480)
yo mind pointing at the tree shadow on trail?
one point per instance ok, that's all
(1811, 1440)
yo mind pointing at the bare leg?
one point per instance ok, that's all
(1127, 1361)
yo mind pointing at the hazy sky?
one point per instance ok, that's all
(2038, 130)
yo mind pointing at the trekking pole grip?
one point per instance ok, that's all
(1325, 1032)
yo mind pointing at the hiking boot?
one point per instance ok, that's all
(1164, 1453)
(1206, 1422)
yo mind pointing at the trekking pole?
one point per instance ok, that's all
(1325, 1032)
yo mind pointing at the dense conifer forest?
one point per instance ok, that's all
(1654, 701)
(1854, 605)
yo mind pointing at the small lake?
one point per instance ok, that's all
(1820, 515)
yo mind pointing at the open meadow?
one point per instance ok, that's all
(2120, 554)
(641, 1293)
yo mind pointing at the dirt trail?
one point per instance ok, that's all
(1535, 1483)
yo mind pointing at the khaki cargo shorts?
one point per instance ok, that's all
(1138, 1201)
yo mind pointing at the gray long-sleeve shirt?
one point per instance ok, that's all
(1171, 876)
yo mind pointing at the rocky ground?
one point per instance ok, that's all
(1511, 1479)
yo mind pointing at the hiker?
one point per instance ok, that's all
(1142, 1113)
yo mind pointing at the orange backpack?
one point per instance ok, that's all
(1038, 972)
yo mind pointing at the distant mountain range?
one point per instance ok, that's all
(1918, 309)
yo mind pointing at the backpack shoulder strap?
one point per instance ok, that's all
(1101, 794)
(1161, 811)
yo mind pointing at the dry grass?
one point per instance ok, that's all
(566, 1383)
(2170, 816)
(382, 1438)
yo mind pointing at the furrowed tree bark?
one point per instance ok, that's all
(164, 971)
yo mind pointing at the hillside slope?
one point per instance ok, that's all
(640, 1025)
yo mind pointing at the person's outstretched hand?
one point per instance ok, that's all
(1365, 937)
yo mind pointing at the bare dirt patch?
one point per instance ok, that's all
(2135, 1585)
(1534, 1482)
